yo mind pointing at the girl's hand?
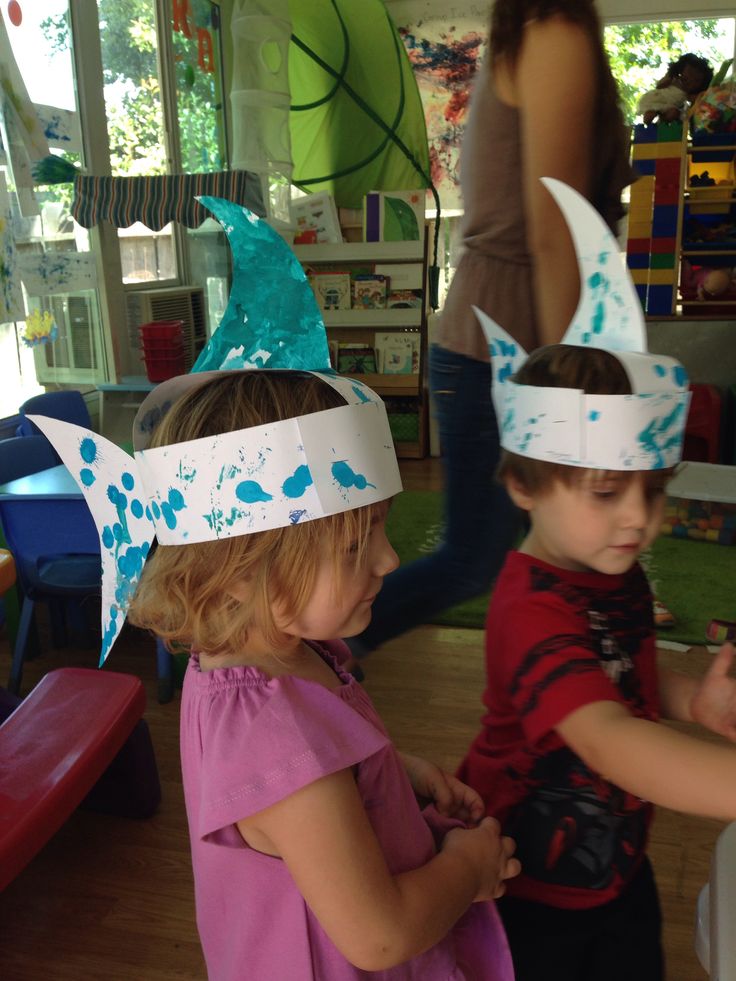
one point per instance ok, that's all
(450, 796)
(714, 702)
(490, 853)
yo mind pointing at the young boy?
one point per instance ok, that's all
(571, 756)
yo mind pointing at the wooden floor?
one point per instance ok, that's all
(111, 899)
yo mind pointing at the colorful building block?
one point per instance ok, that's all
(637, 260)
(645, 133)
(664, 220)
(661, 244)
(669, 132)
(659, 277)
(659, 299)
(662, 260)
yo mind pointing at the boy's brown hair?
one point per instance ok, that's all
(587, 369)
(184, 593)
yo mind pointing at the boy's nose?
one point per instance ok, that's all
(635, 507)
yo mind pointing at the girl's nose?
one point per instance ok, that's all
(386, 558)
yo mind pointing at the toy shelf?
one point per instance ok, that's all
(679, 228)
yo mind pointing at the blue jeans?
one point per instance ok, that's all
(480, 521)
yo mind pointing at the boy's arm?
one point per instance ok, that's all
(653, 761)
(375, 919)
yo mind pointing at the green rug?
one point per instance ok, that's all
(696, 580)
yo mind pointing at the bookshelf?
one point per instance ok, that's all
(406, 395)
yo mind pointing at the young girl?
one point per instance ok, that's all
(311, 856)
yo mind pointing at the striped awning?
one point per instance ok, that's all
(155, 201)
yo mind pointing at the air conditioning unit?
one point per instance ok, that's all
(185, 303)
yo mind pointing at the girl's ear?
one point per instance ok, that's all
(518, 493)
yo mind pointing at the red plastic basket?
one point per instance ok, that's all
(161, 329)
(158, 369)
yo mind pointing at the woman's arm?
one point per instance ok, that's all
(376, 919)
(653, 761)
(555, 83)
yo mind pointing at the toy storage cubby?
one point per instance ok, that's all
(405, 394)
(679, 231)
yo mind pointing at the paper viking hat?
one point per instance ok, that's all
(641, 431)
(263, 477)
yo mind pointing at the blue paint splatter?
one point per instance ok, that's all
(296, 516)
(599, 319)
(361, 394)
(505, 371)
(87, 477)
(680, 375)
(250, 491)
(346, 476)
(659, 370)
(108, 539)
(88, 450)
(296, 485)
(136, 508)
(594, 415)
(127, 481)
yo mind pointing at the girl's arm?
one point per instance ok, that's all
(653, 761)
(376, 919)
(554, 82)
(710, 700)
(450, 796)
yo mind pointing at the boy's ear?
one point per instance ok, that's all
(518, 493)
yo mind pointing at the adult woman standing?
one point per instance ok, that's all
(544, 105)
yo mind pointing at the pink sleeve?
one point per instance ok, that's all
(265, 745)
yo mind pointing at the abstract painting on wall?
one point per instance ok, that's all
(11, 296)
(445, 51)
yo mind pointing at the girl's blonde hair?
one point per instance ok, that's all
(184, 593)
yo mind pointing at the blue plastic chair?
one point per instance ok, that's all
(54, 543)
(68, 406)
(56, 549)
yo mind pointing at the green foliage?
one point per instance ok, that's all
(133, 94)
(640, 53)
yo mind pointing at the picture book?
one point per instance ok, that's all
(331, 289)
(394, 216)
(356, 359)
(397, 352)
(369, 292)
(315, 218)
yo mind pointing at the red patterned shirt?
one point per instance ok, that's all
(556, 641)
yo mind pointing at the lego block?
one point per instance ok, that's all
(639, 277)
(643, 185)
(662, 260)
(641, 211)
(667, 195)
(637, 260)
(645, 151)
(669, 132)
(660, 277)
(640, 229)
(640, 195)
(664, 221)
(659, 299)
(643, 167)
(645, 134)
(667, 171)
(634, 245)
(663, 244)
(641, 292)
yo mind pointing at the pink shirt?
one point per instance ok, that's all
(248, 741)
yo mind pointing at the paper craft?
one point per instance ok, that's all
(642, 431)
(236, 483)
(12, 307)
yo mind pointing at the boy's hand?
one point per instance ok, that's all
(451, 797)
(490, 854)
(714, 702)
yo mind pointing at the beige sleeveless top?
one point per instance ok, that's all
(495, 270)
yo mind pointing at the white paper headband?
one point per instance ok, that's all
(641, 431)
(237, 483)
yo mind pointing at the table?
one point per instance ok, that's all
(52, 484)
